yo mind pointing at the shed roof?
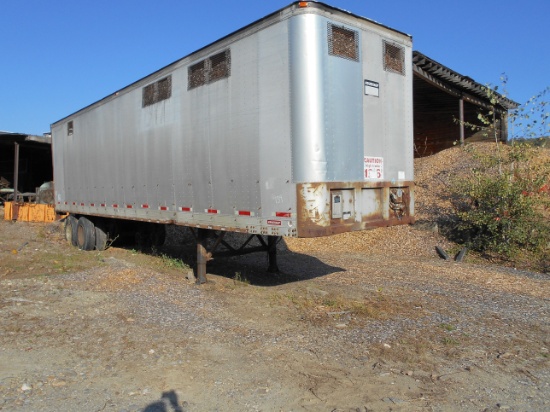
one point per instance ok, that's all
(456, 83)
(10, 137)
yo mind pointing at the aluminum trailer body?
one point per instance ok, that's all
(300, 124)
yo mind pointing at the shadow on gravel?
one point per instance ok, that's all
(168, 402)
(249, 268)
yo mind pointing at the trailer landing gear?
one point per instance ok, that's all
(204, 253)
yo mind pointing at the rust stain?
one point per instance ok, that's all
(391, 205)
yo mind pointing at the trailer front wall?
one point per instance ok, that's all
(352, 144)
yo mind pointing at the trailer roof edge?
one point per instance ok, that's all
(221, 39)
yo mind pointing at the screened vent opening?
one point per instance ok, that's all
(209, 70)
(219, 66)
(197, 74)
(70, 128)
(343, 42)
(156, 92)
(394, 58)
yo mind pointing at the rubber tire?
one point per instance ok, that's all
(70, 229)
(101, 237)
(85, 234)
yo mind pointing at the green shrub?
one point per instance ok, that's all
(502, 205)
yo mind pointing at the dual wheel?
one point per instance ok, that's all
(83, 234)
(89, 235)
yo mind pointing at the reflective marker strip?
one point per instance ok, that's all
(283, 214)
(244, 213)
(129, 206)
(115, 205)
(102, 205)
(145, 206)
(163, 207)
(186, 209)
(92, 204)
(213, 211)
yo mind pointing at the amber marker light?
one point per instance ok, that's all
(302, 3)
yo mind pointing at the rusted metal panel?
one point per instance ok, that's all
(386, 204)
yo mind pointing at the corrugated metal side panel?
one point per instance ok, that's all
(238, 166)
(195, 157)
(277, 189)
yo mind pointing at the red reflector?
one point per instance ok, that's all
(283, 214)
(244, 213)
(115, 205)
(92, 204)
(212, 211)
(82, 204)
(185, 209)
(128, 206)
(163, 207)
(145, 206)
(74, 203)
(102, 205)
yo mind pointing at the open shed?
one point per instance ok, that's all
(444, 101)
(33, 157)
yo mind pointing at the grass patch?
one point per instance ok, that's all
(448, 341)
(170, 262)
(240, 279)
(447, 327)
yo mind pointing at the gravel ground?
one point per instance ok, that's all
(343, 331)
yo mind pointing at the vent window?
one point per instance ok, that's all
(343, 42)
(394, 58)
(70, 128)
(197, 75)
(209, 70)
(156, 92)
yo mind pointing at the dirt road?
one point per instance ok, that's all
(342, 329)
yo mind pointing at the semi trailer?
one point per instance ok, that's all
(299, 124)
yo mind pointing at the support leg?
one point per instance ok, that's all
(272, 254)
(202, 255)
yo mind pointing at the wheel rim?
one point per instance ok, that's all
(80, 235)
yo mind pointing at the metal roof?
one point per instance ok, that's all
(456, 83)
(24, 137)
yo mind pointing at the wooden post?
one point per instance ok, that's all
(202, 255)
(15, 172)
(504, 127)
(461, 115)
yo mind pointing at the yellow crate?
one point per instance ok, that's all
(8, 210)
(29, 212)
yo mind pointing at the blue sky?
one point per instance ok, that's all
(58, 56)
